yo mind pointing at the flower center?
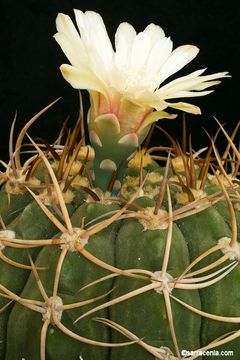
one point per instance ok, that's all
(140, 79)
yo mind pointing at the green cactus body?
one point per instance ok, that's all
(127, 245)
(31, 224)
(12, 204)
(209, 227)
(14, 278)
(71, 280)
(145, 250)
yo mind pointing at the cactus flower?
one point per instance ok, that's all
(127, 85)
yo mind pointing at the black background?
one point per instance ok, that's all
(30, 59)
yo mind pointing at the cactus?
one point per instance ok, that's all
(105, 254)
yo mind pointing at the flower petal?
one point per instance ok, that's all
(155, 116)
(180, 57)
(70, 41)
(135, 70)
(183, 94)
(94, 35)
(154, 33)
(189, 108)
(146, 98)
(69, 50)
(124, 39)
(159, 54)
(184, 78)
(193, 82)
(151, 99)
(140, 51)
(65, 26)
(82, 79)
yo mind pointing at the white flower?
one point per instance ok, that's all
(136, 69)
(127, 85)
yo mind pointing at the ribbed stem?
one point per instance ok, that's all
(112, 151)
(109, 168)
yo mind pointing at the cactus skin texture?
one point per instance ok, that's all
(144, 274)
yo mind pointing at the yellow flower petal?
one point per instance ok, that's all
(189, 108)
(82, 79)
(155, 116)
(135, 70)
